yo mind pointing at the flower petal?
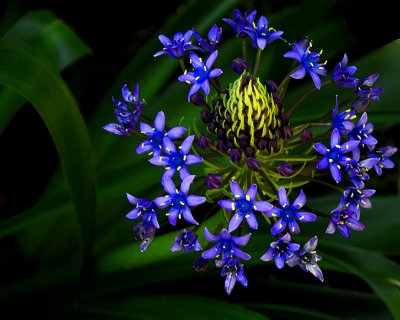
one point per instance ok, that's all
(194, 201)
(282, 198)
(236, 190)
(176, 132)
(235, 221)
(227, 204)
(159, 121)
(185, 184)
(251, 192)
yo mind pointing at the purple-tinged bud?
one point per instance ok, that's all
(262, 144)
(249, 152)
(272, 146)
(221, 146)
(306, 135)
(285, 169)
(198, 99)
(271, 86)
(253, 164)
(239, 65)
(206, 116)
(213, 181)
(204, 142)
(287, 132)
(235, 155)
(200, 264)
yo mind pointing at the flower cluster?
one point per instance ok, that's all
(253, 164)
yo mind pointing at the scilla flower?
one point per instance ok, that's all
(249, 167)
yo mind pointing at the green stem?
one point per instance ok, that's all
(182, 64)
(244, 48)
(257, 61)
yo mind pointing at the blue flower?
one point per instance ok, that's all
(244, 205)
(202, 72)
(127, 112)
(176, 160)
(354, 198)
(226, 246)
(334, 157)
(281, 250)
(343, 120)
(344, 219)
(146, 209)
(178, 200)
(261, 34)
(307, 259)
(362, 133)
(309, 61)
(232, 270)
(366, 92)
(289, 214)
(212, 42)
(145, 232)
(342, 74)
(186, 240)
(380, 158)
(240, 21)
(155, 142)
(177, 47)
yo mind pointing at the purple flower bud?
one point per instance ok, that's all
(235, 155)
(306, 135)
(239, 65)
(253, 164)
(213, 181)
(271, 86)
(285, 169)
(198, 99)
(206, 116)
(200, 264)
(249, 152)
(204, 142)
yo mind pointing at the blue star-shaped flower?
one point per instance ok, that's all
(240, 21)
(281, 250)
(178, 200)
(355, 198)
(366, 92)
(380, 159)
(176, 160)
(202, 72)
(212, 42)
(155, 142)
(146, 209)
(334, 157)
(289, 214)
(362, 133)
(244, 205)
(226, 246)
(309, 62)
(343, 120)
(233, 271)
(307, 259)
(344, 220)
(187, 240)
(177, 47)
(261, 34)
(127, 112)
(342, 74)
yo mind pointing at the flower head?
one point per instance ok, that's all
(343, 120)
(178, 200)
(261, 34)
(213, 37)
(177, 46)
(187, 240)
(226, 246)
(176, 159)
(232, 270)
(145, 209)
(382, 159)
(307, 259)
(240, 21)
(199, 77)
(362, 132)
(334, 157)
(281, 250)
(366, 92)
(289, 214)
(156, 135)
(127, 112)
(309, 61)
(144, 232)
(244, 205)
(354, 198)
(342, 74)
(344, 220)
